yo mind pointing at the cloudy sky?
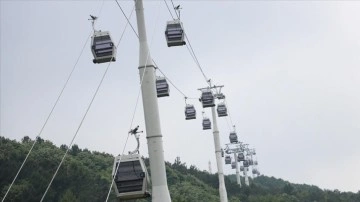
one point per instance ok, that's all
(290, 70)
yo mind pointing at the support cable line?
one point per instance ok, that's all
(157, 67)
(190, 48)
(169, 9)
(82, 121)
(128, 20)
(48, 117)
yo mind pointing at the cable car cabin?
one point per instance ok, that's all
(174, 33)
(102, 47)
(233, 165)
(190, 112)
(254, 171)
(221, 110)
(251, 162)
(255, 163)
(233, 137)
(206, 124)
(162, 87)
(241, 168)
(246, 164)
(131, 178)
(207, 98)
(227, 160)
(240, 157)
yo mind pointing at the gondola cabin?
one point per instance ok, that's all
(241, 168)
(162, 87)
(227, 160)
(246, 164)
(255, 163)
(254, 171)
(174, 33)
(207, 98)
(233, 137)
(102, 47)
(251, 162)
(221, 110)
(233, 165)
(190, 112)
(206, 124)
(240, 157)
(130, 177)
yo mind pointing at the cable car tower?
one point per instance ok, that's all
(208, 100)
(237, 150)
(160, 190)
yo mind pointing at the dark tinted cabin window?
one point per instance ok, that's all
(129, 177)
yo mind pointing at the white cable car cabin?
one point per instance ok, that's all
(190, 112)
(102, 47)
(174, 33)
(240, 157)
(131, 178)
(233, 165)
(222, 110)
(233, 137)
(207, 98)
(206, 124)
(227, 160)
(162, 87)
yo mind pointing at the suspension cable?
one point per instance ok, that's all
(82, 120)
(169, 9)
(48, 117)
(128, 20)
(191, 50)
(153, 59)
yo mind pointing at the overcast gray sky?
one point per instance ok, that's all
(290, 70)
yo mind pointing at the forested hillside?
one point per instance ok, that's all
(85, 176)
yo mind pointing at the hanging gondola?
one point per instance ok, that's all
(221, 110)
(174, 33)
(255, 163)
(233, 137)
(206, 124)
(207, 98)
(254, 171)
(240, 157)
(131, 178)
(162, 87)
(246, 163)
(241, 168)
(227, 160)
(233, 165)
(190, 112)
(102, 47)
(251, 162)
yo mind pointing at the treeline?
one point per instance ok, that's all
(86, 176)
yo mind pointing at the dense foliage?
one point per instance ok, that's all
(86, 176)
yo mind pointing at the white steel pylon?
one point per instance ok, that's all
(160, 190)
(222, 189)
